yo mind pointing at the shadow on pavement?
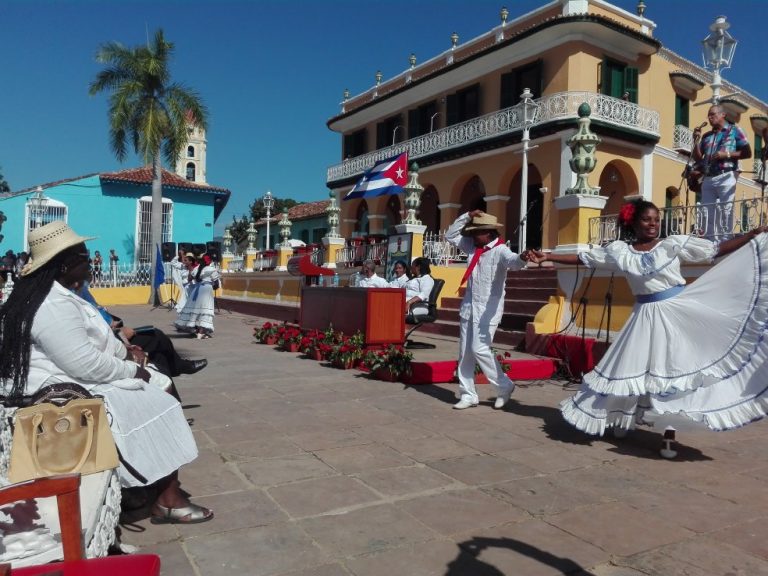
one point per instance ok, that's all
(468, 561)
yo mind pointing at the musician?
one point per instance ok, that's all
(717, 154)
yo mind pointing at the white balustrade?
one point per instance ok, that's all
(439, 251)
(552, 108)
(682, 138)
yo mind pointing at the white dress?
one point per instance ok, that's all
(72, 343)
(179, 274)
(699, 351)
(198, 310)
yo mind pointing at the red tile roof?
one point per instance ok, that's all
(144, 176)
(302, 211)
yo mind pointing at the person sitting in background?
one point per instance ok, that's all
(369, 278)
(400, 271)
(418, 288)
(49, 335)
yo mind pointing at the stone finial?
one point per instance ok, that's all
(285, 229)
(412, 60)
(227, 242)
(379, 76)
(251, 236)
(333, 212)
(454, 40)
(583, 145)
(413, 191)
(641, 8)
(346, 94)
(504, 14)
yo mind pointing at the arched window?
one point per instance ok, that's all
(190, 151)
(362, 226)
(392, 215)
(191, 171)
(429, 213)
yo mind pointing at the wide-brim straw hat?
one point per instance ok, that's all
(47, 241)
(481, 222)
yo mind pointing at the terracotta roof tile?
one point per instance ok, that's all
(143, 175)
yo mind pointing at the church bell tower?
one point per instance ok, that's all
(191, 161)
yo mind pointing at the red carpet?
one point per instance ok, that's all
(441, 372)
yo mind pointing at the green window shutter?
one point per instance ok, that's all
(451, 110)
(681, 110)
(507, 95)
(414, 124)
(630, 83)
(758, 146)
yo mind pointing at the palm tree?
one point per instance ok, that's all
(148, 110)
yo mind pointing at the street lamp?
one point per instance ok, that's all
(431, 120)
(269, 203)
(530, 110)
(37, 206)
(717, 51)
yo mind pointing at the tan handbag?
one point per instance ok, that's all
(50, 439)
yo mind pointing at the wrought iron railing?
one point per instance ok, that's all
(682, 138)
(124, 275)
(707, 220)
(236, 264)
(351, 256)
(439, 251)
(554, 107)
(265, 262)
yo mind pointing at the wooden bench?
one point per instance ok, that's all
(30, 532)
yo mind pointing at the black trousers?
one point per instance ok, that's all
(160, 351)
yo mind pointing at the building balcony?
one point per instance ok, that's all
(682, 138)
(553, 108)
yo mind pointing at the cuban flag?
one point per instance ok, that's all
(387, 177)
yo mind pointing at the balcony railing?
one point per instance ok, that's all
(351, 256)
(552, 108)
(693, 220)
(439, 251)
(124, 275)
(682, 138)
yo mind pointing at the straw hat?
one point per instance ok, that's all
(47, 241)
(481, 222)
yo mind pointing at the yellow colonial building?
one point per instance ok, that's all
(459, 115)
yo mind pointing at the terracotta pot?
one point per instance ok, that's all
(291, 346)
(348, 365)
(384, 374)
(315, 354)
(270, 340)
(481, 378)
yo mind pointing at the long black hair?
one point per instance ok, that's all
(16, 317)
(629, 215)
(423, 265)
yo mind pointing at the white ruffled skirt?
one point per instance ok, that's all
(198, 309)
(701, 354)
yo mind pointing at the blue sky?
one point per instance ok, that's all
(271, 72)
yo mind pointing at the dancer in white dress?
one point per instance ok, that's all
(197, 315)
(48, 335)
(179, 272)
(699, 351)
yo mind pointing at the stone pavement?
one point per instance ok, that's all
(314, 471)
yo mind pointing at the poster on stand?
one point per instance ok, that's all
(399, 247)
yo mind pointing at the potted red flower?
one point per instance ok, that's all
(267, 334)
(289, 338)
(390, 364)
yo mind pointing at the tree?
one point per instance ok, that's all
(149, 111)
(281, 205)
(239, 230)
(4, 186)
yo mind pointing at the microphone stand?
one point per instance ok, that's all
(523, 220)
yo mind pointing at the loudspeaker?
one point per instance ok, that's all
(185, 247)
(169, 251)
(214, 250)
(198, 249)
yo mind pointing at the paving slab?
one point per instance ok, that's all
(314, 471)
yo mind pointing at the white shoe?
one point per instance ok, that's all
(464, 404)
(503, 398)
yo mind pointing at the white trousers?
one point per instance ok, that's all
(475, 347)
(717, 195)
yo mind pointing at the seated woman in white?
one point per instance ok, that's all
(400, 271)
(418, 288)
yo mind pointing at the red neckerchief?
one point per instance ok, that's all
(475, 259)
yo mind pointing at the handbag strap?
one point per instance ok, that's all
(37, 419)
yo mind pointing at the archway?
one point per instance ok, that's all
(534, 214)
(617, 180)
(473, 195)
(362, 226)
(429, 213)
(392, 214)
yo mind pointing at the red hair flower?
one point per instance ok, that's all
(627, 214)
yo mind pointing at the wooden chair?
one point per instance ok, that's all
(430, 316)
(66, 489)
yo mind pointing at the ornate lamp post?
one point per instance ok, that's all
(38, 204)
(717, 50)
(530, 111)
(285, 230)
(251, 236)
(269, 202)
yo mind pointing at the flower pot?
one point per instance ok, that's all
(270, 340)
(315, 354)
(384, 374)
(481, 378)
(291, 346)
(343, 364)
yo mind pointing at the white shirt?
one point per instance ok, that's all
(374, 281)
(420, 286)
(399, 282)
(483, 301)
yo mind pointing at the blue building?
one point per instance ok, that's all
(116, 208)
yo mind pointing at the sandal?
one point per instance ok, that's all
(196, 514)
